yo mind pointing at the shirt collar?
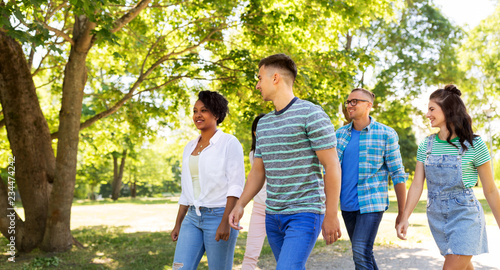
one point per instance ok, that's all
(216, 136)
(286, 108)
(349, 126)
(213, 140)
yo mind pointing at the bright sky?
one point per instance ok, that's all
(466, 12)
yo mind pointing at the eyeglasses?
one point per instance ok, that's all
(355, 101)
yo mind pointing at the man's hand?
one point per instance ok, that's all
(331, 229)
(235, 217)
(398, 220)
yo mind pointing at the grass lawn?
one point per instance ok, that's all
(112, 248)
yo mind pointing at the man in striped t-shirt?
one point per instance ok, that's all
(292, 143)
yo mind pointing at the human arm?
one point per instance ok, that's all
(412, 199)
(224, 230)
(394, 162)
(255, 181)
(400, 190)
(331, 225)
(490, 190)
(181, 213)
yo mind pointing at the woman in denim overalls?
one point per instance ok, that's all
(455, 216)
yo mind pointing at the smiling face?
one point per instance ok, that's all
(266, 84)
(436, 115)
(202, 117)
(362, 108)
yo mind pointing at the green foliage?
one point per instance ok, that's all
(156, 63)
(480, 61)
(42, 263)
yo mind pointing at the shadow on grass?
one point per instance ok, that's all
(111, 248)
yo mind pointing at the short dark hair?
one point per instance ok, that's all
(215, 103)
(368, 93)
(280, 61)
(455, 114)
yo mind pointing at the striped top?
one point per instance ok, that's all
(286, 142)
(474, 157)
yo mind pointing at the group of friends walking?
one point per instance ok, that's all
(302, 169)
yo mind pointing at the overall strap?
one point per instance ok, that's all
(430, 141)
(462, 150)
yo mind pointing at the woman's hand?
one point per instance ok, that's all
(401, 229)
(223, 231)
(175, 233)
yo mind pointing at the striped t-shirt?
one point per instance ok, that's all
(474, 157)
(286, 142)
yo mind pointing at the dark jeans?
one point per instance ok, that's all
(362, 230)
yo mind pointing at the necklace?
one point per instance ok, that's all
(201, 148)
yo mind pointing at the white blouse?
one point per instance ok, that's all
(221, 172)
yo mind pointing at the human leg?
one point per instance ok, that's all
(350, 221)
(255, 237)
(275, 234)
(363, 237)
(220, 254)
(301, 232)
(457, 262)
(189, 248)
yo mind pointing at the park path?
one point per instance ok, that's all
(419, 252)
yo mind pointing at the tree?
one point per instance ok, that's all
(480, 63)
(67, 32)
(402, 47)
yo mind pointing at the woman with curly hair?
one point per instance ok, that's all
(212, 180)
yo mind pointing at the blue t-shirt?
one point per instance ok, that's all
(350, 174)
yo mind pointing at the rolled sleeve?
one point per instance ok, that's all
(183, 200)
(393, 159)
(235, 169)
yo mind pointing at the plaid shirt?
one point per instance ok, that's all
(379, 156)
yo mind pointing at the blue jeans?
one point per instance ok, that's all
(197, 236)
(362, 230)
(292, 238)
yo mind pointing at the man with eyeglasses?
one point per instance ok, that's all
(368, 152)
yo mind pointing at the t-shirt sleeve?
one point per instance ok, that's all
(320, 130)
(258, 153)
(481, 153)
(422, 150)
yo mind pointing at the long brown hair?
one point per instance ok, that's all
(455, 113)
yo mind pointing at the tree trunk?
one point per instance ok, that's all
(46, 183)
(117, 176)
(133, 187)
(133, 190)
(57, 235)
(29, 139)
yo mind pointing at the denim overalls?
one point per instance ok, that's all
(456, 218)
